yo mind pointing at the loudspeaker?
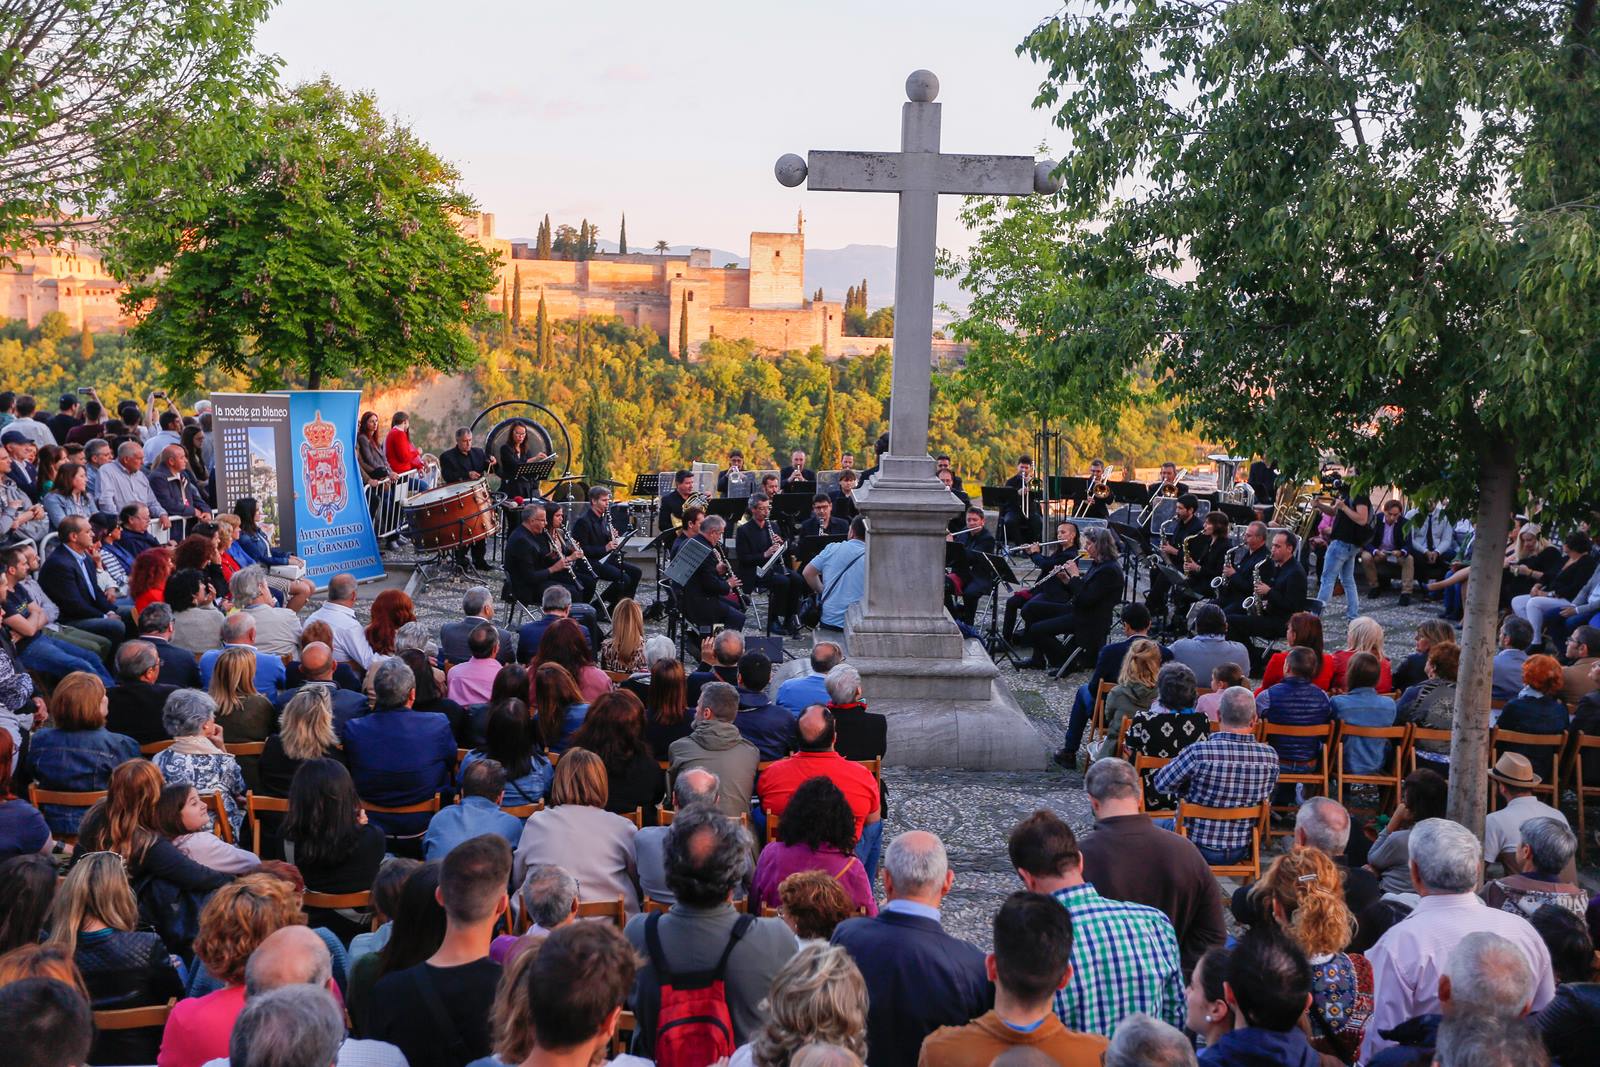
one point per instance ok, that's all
(770, 647)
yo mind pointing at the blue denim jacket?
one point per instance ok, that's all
(75, 761)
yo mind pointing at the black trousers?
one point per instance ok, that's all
(721, 610)
(480, 554)
(1243, 626)
(1156, 597)
(1021, 529)
(784, 589)
(1041, 605)
(973, 590)
(624, 578)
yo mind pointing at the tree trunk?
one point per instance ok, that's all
(314, 379)
(1469, 743)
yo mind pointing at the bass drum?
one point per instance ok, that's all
(451, 516)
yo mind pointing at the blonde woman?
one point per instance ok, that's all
(818, 996)
(1364, 634)
(624, 649)
(1135, 691)
(244, 713)
(305, 732)
(1303, 893)
(95, 918)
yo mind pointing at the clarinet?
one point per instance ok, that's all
(738, 590)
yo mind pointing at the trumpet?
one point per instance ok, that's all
(1253, 604)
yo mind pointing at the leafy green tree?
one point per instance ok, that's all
(850, 298)
(622, 236)
(880, 323)
(1359, 227)
(565, 245)
(516, 298)
(855, 322)
(95, 91)
(329, 250)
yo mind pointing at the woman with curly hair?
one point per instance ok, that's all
(147, 583)
(199, 552)
(391, 609)
(817, 832)
(564, 643)
(1303, 893)
(559, 708)
(813, 903)
(818, 996)
(95, 920)
(236, 919)
(1304, 630)
(613, 729)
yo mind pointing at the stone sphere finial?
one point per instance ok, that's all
(922, 87)
(1044, 179)
(790, 169)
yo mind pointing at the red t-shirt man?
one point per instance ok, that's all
(779, 782)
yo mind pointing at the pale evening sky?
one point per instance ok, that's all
(674, 114)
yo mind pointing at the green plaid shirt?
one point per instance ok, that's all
(1124, 959)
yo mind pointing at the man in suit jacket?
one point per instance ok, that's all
(1283, 586)
(967, 573)
(67, 577)
(918, 977)
(704, 596)
(477, 606)
(823, 522)
(178, 665)
(134, 704)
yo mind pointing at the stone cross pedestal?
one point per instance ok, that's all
(945, 703)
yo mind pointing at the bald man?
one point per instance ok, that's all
(316, 670)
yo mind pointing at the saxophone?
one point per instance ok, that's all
(1188, 549)
(1255, 605)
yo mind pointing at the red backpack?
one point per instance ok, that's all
(693, 1027)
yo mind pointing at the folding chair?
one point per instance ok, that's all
(253, 807)
(153, 747)
(1423, 733)
(1097, 718)
(622, 1037)
(144, 1018)
(1581, 744)
(425, 807)
(246, 748)
(1397, 737)
(66, 799)
(221, 825)
(1257, 813)
(1316, 776)
(344, 902)
(1517, 741)
(604, 909)
(1141, 764)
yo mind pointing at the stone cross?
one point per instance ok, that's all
(918, 173)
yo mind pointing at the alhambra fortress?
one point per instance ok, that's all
(766, 303)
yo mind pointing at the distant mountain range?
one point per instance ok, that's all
(836, 270)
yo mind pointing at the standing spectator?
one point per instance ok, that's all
(277, 629)
(1516, 635)
(78, 754)
(185, 818)
(1514, 779)
(716, 745)
(1407, 960)
(1127, 857)
(95, 920)
(236, 919)
(1030, 965)
(29, 426)
(1362, 705)
(1422, 796)
(575, 831)
(1484, 976)
(399, 756)
(1107, 935)
(919, 978)
(339, 612)
(65, 418)
(1230, 769)
(435, 1013)
(472, 682)
(402, 456)
(1300, 893)
(708, 857)
(306, 731)
(613, 729)
(817, 833)
(1269, 985)
(197, 755)
(817, 996)
(483, 790)
(1543, 857)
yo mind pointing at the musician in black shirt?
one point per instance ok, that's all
(1094, 591)
(755, 542)
(823, 522)
(1351, 530)
(518, 450)
(708, 596)
(844, 501)
(1237, 565)
(1168, 485)
(969, 577)
(797, 471)
(464, 463)
(534, 562)
(1049, 594)
(941, 465)
(1206, 559)
(600, 543)
(1096, 507)
(948, 479)
(1021, 520)
(735, 475)
(690, 529)
(670, 514)
(1185, 524)
(1282, 591)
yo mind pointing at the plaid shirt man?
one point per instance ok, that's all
(1226, 770)
(1124, 959)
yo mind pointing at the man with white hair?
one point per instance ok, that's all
(707, 596)
(549, 898)
(727, 648)
(295, 956)
(1229, 769)
(277, 629)
(477, 606)
(1484, 976)
(918, 977)
(1141, 1041)
(339, 612)
(1409, 959)
(125, 482)
(239, 631)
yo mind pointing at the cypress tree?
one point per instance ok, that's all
(583, 240)
(850, 298)
(505, 318)
(86, 344)
(828, 448)
(542, 250)
(542, 325)
(861, 294)
(683, 327)
(516, 298)
(594, 457)
(622, 237)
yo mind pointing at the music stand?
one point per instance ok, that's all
(1067, 487)
(1239, 513)
(658, 546)
(647, 485)
(997, 497)
(1000, 571)
(828, 481)
(1129, 492)
(803, 489)
(793, 508)
(536, 470)
(729, 507)
(686, 562)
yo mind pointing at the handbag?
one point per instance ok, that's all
(811, 606)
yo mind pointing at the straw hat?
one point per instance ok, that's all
(1513, 769)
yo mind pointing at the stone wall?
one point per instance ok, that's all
(777, 270)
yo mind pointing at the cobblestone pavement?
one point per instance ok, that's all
(973, 811)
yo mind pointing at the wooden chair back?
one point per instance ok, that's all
(1316, 777)
(604, 909)
(150, 1016)
(1550, 789)
(254, 805)
(1387, 777)
(150, 749)
(1581, 744)
(1097, 718)
(429, 806)
(1423, 733)
(221, 825)
(1250, 868)
(66, 799)
(1143, 763)
(246, 748)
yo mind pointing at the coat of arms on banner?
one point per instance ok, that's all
(322, 463)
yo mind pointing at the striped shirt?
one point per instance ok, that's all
(1225, 770)
(1124, 959)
